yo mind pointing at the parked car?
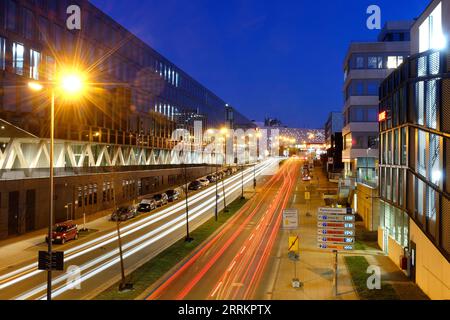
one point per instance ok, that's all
(161, 199)
(172, 195)
(64, 232)
(195, 185)
(204, 182)
(306, 178)
(124, 213)
(212, 178)
(146, 206)
(234, 170)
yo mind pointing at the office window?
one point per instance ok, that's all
(11, 17)
(431, 35)
(43, 28)
(2, 53)
(359, 62)
(372, 88)
(372, 115)
(359, 88)
(404, 147)
(35, 61)
(50, 66)
(375, 62)
(58, 37)
(18, 58)
(394, 61)
(28, 23)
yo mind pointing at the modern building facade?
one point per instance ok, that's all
(113, 136)
(415, 155)
(366, 65)
(334, 142)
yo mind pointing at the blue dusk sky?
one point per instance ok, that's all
(280, 59)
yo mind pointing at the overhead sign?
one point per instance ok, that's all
(290, 219)
(335, 210)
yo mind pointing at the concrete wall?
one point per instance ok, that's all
(367, 205)
(432, 269)
(395, 251)
(67, 191)
(381, 238)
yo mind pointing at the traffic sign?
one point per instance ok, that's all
(336, 232)
(336, 218)
(294, 243)
(290, 219)
(336, 239)
(336, 225)
(335, 211)
(336, 246)
(57, 262)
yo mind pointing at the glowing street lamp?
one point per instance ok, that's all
(69, 84)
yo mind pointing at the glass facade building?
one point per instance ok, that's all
(415, 149)
(142, 96)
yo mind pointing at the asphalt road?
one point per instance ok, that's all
(232, 263)
(92, 264)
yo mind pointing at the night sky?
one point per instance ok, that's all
(266, 58)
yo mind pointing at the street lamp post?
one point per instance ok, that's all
(50, 217)
(242, 183)
(72, 84)
(216, 211)
(224, 132)
(188, 236)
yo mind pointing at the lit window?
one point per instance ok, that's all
(394, 61)
(18, 51)
(35, 61)
(2, 53)
(431, 35)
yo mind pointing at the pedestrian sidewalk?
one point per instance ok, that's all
(316, 267)
(19, 249)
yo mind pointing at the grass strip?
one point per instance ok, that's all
(147, 274)
(357, 267)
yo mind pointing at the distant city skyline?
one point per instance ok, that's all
(218, 43)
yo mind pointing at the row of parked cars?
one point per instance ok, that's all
(67, 231)
(204, 182)
(146, 205)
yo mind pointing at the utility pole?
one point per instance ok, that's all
(123, 285)
(188, 237)
(335, 273)
(242, 183)
(216, 211)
